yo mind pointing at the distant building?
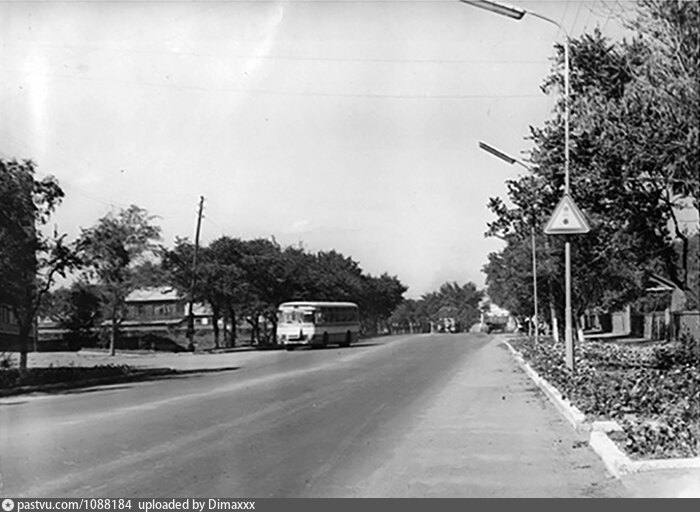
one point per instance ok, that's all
(9, 330)
(664, 316)
(157, 318)
(154, 319)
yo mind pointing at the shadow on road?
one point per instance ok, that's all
(6, 404)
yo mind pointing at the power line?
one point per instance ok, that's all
(319, 94)
(293, 58)
(216, 225)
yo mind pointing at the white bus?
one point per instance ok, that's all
(317, 324)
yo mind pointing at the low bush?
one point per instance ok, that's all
(654, 393)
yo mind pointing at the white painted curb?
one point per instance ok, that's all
(564, 406)
(615, 460)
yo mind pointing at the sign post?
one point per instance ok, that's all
(567, 219)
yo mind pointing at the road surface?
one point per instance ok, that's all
(376, 419)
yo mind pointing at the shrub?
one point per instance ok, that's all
(653, 393)
(685, 352)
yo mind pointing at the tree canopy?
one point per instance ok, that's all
(458, 303)
(112, 250)
(249, 278)
(30, 260)
(635, 154)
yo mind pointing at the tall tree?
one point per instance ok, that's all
(29, 259)
(112, 250)
(635, 154)
(379, 297)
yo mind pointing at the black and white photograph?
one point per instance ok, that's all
(254, 250)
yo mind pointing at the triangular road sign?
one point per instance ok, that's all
(567, 219)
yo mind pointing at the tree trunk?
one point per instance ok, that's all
(552, 308)
(113, 330)
(113, 337)
(215, 315)
(578, 325)
(555, 321)
(232, 318)
(25, 329)
(253, 330)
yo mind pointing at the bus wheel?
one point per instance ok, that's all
(348, 340)
(288, 348)
(325, 339)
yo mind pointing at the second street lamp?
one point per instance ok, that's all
(518, 14)
(511, 161)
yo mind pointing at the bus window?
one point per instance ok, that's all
(321, 318)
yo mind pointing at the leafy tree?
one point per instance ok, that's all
(236, 278)
(29, 260)
(634, 154)
(148, 274)
(379, 297)
(176, 267)
(77, 308)
(112, 250)
(509, 277)
(460, 302)
(338, 277)
(405, 317)
(228, 283)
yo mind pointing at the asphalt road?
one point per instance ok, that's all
(305, 423)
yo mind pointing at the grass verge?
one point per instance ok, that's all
(14, 380)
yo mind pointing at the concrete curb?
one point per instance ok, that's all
(575, 417)
(615, 460)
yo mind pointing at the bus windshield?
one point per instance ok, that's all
(295, 316)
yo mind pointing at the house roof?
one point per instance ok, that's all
(660, 284)
(164, 293)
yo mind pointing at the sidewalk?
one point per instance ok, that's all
(672, 478)
(492, 433)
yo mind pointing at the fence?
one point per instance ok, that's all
(685, 322)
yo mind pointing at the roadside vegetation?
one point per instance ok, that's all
(13, 379)
(452, 308)
(241, 280)
(635, 155)
(653, 392)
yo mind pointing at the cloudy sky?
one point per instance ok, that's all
(349, 125)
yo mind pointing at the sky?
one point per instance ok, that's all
(347, 125)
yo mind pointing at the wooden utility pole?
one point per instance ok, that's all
(190, 316)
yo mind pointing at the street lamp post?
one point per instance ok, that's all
(511, 161)
(518, 14)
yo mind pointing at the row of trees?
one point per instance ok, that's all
(248, 279)
(451, 301)
(239, 279)
(635, 155)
